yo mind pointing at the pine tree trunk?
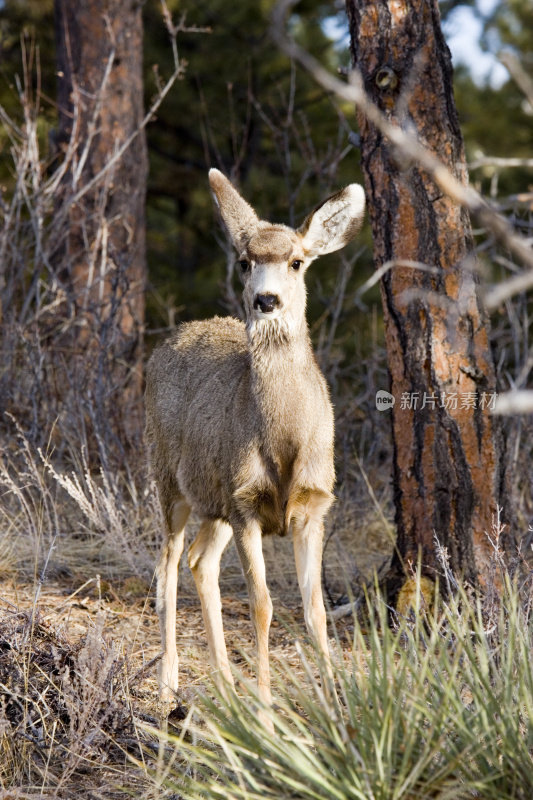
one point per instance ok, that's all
(105, 257)
(448, 472)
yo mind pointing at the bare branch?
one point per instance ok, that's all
(515, 402)
(119, 152)
(378, 274)
(503, 291)
(92, 125)
(502, 163)
(518, 74)
(179, 69)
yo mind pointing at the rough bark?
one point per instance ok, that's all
(105, 256)
(448, 472)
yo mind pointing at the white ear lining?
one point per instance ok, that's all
(334, 223)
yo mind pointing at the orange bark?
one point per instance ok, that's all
(448, 462)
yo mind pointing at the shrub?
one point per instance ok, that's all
(435, 706)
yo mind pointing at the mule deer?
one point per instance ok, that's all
(240, 426)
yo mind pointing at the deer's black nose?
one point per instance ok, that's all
(266, 302)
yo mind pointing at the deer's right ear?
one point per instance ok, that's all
(335, 221)
(239, 218)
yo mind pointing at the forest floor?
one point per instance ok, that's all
(70, 605)
(105, 632)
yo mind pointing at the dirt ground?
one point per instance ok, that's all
(79, 656)
(130, 623)
(71, 605)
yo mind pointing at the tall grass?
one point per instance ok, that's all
(436, 705)
(74, 518)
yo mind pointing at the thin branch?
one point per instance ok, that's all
(384, 268)
(503, 291)
(179, 69)
(9, 124)
(515, 402)
(518, 74)
(119, 152)
(92, 124)
(502, 163)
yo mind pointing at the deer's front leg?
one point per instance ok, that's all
(308, 534)
(204, 560)
(248, 539)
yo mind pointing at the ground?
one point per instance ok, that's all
(79, 653)
(130, 623)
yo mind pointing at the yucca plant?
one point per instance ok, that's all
(438, 705)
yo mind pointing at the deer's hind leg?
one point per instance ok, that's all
(176, 512)
(204, 560)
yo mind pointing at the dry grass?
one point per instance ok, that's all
(79, 633)
(78, 682)
(67, 719)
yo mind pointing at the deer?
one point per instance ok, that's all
(240, 428)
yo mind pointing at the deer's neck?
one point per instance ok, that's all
(287, 391)
(271, 338)
(282, 363)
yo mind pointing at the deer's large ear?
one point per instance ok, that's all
(335, 221)
(239, 218)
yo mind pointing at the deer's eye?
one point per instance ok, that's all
(244, 265)
(296, 264)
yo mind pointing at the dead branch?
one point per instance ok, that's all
(518, 74)
(512, 286)
(518, 401)
(501, 163)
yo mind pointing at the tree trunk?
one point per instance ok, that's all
(100, 99)
(448, 471)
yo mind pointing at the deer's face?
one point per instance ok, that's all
(272, 267)
(273, 258)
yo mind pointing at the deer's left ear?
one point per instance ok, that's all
(238, 216)
(335, 222)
